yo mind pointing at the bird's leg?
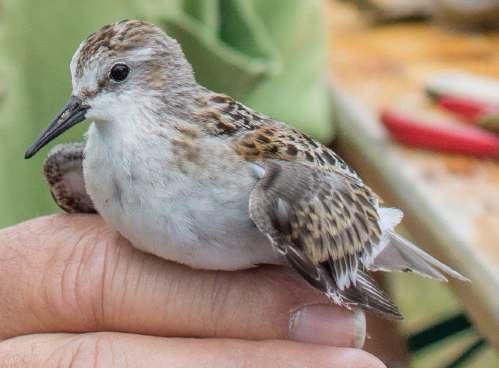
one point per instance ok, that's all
(63, 171)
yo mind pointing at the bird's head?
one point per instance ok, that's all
(127, 66)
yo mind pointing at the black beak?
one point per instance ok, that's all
(71, 114)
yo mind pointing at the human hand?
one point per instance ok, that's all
(73, 291)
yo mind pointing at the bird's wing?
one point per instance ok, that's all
(313, 207)
(326, 225)
(64, 174)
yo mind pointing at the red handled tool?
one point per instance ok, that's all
(449, 137)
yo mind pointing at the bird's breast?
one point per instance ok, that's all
(190, 211)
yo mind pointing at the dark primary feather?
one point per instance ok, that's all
(368, 294)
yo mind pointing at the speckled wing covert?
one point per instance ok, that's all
(64, 174)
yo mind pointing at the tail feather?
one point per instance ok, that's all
(367, 294)
(399, 254)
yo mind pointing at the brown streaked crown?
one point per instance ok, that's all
(156, 60)
(114, 39)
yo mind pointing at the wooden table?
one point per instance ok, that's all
(451, 202)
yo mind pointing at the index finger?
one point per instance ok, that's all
(72, 273)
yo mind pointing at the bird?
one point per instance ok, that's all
(196, 177)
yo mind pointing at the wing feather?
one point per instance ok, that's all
(317, 219)
(63, 171)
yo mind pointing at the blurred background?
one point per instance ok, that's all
(406, 90)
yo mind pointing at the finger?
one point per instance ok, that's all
(74, 274)
(128, 350)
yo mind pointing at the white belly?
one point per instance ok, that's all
(196, 217)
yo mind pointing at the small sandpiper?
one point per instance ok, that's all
(198, 178)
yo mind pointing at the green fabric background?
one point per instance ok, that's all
(271, 54)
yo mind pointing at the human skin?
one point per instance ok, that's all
(73, 292)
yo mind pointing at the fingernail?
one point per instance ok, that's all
(360, 328)
(328, 325)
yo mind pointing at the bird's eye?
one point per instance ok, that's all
(119, 72)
